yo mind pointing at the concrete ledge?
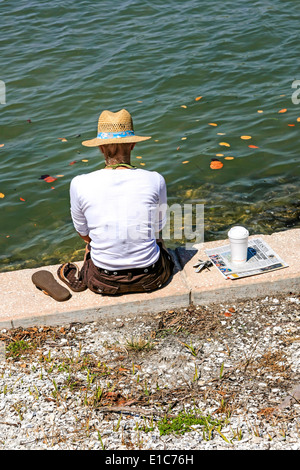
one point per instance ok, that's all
(22, 304)
(210, 286)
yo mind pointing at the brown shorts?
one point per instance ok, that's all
(148, 279)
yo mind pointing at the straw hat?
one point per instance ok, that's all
(114, 128)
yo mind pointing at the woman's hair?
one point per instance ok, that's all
(113, 150)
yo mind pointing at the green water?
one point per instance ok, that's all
(64, 62)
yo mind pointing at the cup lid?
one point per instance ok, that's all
(238, 232)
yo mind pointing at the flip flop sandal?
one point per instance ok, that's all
(69, 273)
(44, 280)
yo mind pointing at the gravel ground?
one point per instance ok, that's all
(200, 378)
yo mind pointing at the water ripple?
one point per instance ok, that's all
(64, 63)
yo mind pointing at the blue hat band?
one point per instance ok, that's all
(114, 135)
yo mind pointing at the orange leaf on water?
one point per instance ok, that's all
(198, 98)
(253, 147)
(1, 145)
(21, 199)
(229, 158)
(246, 137)
(291, 125)
(186, 161)
(49, 179)
(283, 110)
(2, 195)
(225, 144)
(212, 124)
(216, 165)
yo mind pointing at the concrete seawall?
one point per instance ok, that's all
(22, 304)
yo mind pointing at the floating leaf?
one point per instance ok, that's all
(84, 160)
(63, 139)
(184, 106)
(298, 119)
(229, 158)
(198, 98)
(219, 154)
(1, 145)
(142, 163)
(72, 163)
(139, 157)
(2, 195)
(283, 110)
(246, 137)
(47, 178)
(216, 164)
(291, 125)
(225, 144)
(186, 161)
(183, 138)
(29, 121)
(59, 176)
(212, 124)
(221, 133)
(260, 111)
(253, 147)
(21, 199)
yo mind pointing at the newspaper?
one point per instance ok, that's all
(260, 259)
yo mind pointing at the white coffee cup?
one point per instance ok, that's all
(238, 238)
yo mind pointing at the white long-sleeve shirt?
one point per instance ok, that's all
(122, 211)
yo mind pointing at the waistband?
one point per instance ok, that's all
(120, 272)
